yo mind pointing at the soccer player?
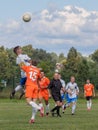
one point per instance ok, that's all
(62, 92)
(32, 84)
(88, 93)
(55, 87)
(44, 92)
(25, 59)
(72, 91)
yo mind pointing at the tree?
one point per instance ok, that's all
(94, 56)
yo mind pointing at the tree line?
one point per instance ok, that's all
(73, 64)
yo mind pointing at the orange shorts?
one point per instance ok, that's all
(31, 92)
(43, 94)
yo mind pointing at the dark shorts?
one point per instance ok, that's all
(23, 81)
(57, 98)
(88, 98)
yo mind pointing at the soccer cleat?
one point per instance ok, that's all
(32, 121)
(72, 114)
(42, 111)
(64, 106)
(11, 96)
(47, 114)
(59, 115)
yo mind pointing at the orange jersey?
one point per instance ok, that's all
(44, 82)
(43, 92)
(88, 89)
(32, 73)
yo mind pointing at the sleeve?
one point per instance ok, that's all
(24, 68)
(77, 88)
(63, 84)
(28, 58)
(18, 61)
(47, 81)
(50, 85)
(67, 86)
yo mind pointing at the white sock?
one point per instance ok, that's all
(88, 106)
(73, 108)
(41, 105)
(19, 87)
(47, 108)
(90, 103)
(34, 105)
(34, 111)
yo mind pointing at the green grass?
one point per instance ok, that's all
(15, 114)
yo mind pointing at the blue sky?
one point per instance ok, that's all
(48, 29)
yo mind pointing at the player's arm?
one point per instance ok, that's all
(93, 91)
(77, 90)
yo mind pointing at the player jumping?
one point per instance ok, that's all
(32, 84)
(25, 59)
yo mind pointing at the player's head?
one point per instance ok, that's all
(59, 75)
(33, 62)
(88, 81)
(42, 73)
(17, 50)
(56, 76)
(72, 79)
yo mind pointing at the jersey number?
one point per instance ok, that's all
(33, 76)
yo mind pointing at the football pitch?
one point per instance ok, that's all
(15, 114)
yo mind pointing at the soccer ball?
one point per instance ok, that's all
(26, 17)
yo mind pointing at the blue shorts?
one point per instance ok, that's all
(23, 81)
(71, 100)
(67, 97)
(63, 96)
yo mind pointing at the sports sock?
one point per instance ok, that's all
(73, 108)
(47, 108)
(34, 105)
(40, 104)
(58, 110)
(88, 105)
(18, 88)
(55, 108)
(34, 111)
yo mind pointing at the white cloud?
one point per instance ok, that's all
(71, 26)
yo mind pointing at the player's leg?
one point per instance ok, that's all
(14, 91)
(88, 102)
(32, 94)
(40, 97)
(63, 103)
(46, 99)
(73, 105)
(57, 99)
(22, 82)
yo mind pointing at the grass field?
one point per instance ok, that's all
(15, 114)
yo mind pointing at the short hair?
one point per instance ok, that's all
(15, 49)
(34, 62)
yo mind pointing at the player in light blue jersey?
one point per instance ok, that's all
(21, 58)
(72, 93)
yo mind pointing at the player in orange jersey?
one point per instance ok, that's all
(33, 76)
(44, 92)
(88, 93)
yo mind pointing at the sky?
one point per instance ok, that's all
(56, 25)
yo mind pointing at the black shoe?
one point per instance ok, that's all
(11, 96)
(72, 114)
(59, 115)
(47, 114)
